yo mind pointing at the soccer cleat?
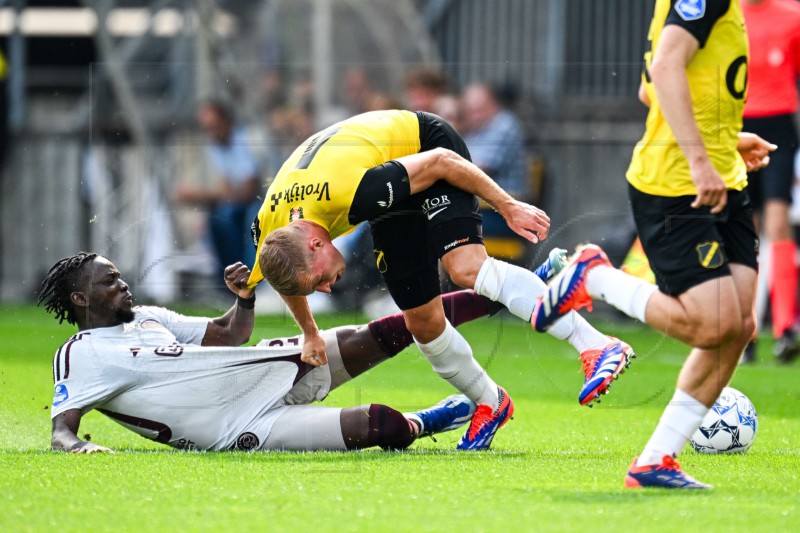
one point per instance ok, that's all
(601, 367)
(786, 347)
(667, 475)
(556, 262)
(567, 292)
(448, 414)
(486, 422)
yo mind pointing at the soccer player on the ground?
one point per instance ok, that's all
(184, 381)
(409, 175)
(686, 184)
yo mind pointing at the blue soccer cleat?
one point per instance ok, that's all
(601, 367)
(556, 262)
(450, 413)
(667, 475)
(486, 422)
(567, 292)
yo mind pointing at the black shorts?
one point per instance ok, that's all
(775, 181)
(410, 239)
(687, 246)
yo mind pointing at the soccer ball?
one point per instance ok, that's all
(729, 427)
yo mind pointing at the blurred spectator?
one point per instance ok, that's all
(233, 200)
(448, 106)
(774, 70)
(377, 101)
(495, 139)
(423, 87)
(357, 90)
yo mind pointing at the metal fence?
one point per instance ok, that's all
(549, 49)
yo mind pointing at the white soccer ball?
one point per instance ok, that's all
(729, 427)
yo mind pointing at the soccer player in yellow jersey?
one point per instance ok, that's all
(409, 175)
(686, 184)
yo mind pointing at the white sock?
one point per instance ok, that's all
(627, 293)
(451, 358)
(518, 289)
(512, 286)
(680, 420)
(581, 335)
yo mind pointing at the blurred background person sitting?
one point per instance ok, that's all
(496, 142)
(496, 139)
(233, 201)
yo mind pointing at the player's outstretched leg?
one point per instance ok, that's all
(448, 414)
(667, 475)
(486, 422)
(567, 292)
(601, 367)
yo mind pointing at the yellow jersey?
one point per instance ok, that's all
(717, 77)
(319, 180)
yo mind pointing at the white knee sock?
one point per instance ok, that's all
(581, 335)
(518, 289)
(680, 420)
(512, 286)
(627, 293)
(451, 358)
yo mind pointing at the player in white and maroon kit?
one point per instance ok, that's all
(184, 381)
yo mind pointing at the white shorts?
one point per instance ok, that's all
(293, 424)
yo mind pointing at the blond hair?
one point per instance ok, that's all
(285, 261)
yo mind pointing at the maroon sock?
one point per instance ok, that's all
(391, 334)
(466, 306)
(388, 428)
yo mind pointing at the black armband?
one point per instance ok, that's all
(246, 303)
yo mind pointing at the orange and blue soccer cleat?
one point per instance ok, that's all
(601, 367)
(486, 422)
(448, 414)
(567, 292)
(667, 475)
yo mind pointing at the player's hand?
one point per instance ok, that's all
(755, 151)
(314, 350)
(527, 221)
(90, 447)
(236, 276)
(711, 190)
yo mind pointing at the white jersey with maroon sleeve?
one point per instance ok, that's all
(151, 376)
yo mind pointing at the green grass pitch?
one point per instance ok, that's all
(555, 467)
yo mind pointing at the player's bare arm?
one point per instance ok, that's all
(234, 327)
(754, 150)
(65, 438)
(313, 344)
(425, 168)
(668, 72)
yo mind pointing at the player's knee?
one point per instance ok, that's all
(425, 326)
(464, 274)
(388, 428)
(464, 263)
(748, 328)
(717, 332)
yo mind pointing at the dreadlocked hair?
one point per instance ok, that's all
(60, 282)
